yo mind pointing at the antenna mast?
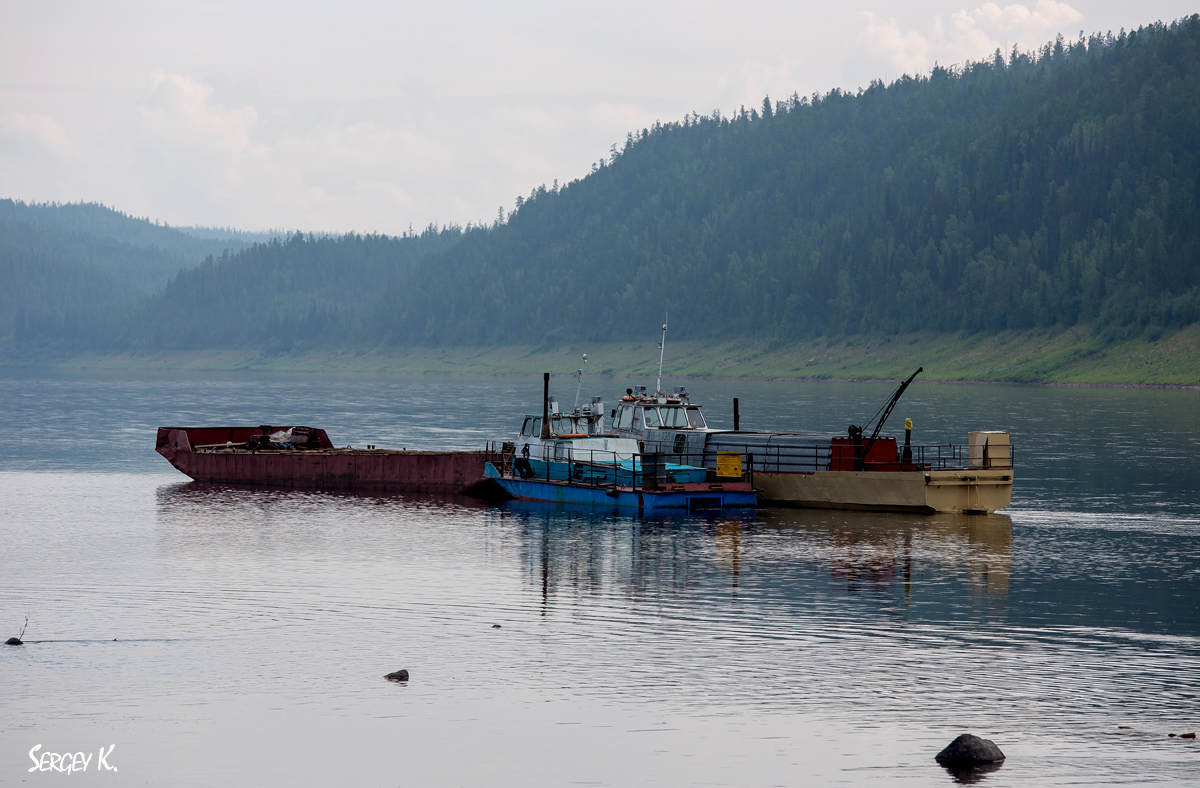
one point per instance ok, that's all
(661, 346)
(579, 383)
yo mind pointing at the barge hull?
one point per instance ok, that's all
(321, 468)
(981, 490)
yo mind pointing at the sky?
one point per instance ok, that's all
(374, 116)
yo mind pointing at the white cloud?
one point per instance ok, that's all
(966, 35)
(177, 108)
(1048, 15)
(35, 133)
(908, 51)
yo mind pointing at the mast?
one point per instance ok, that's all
(579, 383)
(546, 433)
(661, 346)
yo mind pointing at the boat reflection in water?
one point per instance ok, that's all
(877, 551)
(906, 564)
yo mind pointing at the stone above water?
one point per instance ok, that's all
(969, 750)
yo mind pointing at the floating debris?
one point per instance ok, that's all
(18, 641)
(399, 675)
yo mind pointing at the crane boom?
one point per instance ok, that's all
(887, 410)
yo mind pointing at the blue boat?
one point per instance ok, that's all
(569, 458)
(691, 497)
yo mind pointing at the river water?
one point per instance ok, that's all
(227, 637)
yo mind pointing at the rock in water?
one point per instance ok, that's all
(969, 750)
(399, 675)
(14, 642)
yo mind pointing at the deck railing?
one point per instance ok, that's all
(817, 457)
(650, 470)
(609, 469)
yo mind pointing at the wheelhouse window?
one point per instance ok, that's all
(674, 418)
(535, 429)
(527, 428)
(626, 416)
(652, 419)
(695, 418)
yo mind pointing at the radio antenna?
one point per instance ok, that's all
(661, 346)
(579, 382)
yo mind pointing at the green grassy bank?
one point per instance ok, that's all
(1065, 357)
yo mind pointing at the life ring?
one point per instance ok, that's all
(627, 398)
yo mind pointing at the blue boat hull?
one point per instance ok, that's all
(695, 500)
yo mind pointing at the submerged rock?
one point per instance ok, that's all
(399, 675)
(969, 750)
(14, 642)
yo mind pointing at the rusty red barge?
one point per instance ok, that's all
(297, 456)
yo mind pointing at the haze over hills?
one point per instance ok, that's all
(1046, 190)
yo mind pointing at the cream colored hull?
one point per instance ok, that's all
(963, 490)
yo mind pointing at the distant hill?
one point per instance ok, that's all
(144, 269)
(71, 273)
(99, 221)
(303, 291)
(48, 303)
(232, 234)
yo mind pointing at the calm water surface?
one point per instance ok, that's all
(224, 636)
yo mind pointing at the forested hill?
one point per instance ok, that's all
(1032, 190)
(71, 274)
(1049, 189)
(92, 220)
(291, 294)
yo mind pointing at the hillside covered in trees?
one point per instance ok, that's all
(1033, 190)
(1015, 193)
(70, 274)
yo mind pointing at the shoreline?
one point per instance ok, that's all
(1073, 357)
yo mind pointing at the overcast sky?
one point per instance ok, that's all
(372, 116)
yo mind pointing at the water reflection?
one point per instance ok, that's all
(971, 775)
(234, 520)
(897, 562)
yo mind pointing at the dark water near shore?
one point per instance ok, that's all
(253, 627)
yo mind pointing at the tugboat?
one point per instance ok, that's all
(861, 469)
(570, 459)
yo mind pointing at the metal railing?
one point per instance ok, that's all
(606, 468)
(823, 457)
